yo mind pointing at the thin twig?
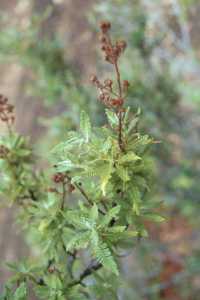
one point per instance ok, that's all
(119, 113)
(72, 258)
(87, 272)
(118, 78)
(81, 190)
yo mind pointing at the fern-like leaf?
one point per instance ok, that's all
(104, 256)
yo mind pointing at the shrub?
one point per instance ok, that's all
(95, 205)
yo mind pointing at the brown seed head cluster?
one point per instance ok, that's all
(6, 111)
(105, 90)
(105, 26)
(58, 177)
(3, 151)
(112, 51)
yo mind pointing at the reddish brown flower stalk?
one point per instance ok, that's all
(107, 95)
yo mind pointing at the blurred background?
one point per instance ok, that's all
(49, 48)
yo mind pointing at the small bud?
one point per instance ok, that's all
(117, 102)
(126, 85)
(51, 269)
(58, 178)
(105, 26)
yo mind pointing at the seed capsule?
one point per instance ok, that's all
(58, 178)
(105, 26)
(117, 102)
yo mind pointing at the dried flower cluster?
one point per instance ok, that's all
(6, 111)
(111, 97)
(64, 179)
(112, 52)
(3, 151)
(58, 178)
